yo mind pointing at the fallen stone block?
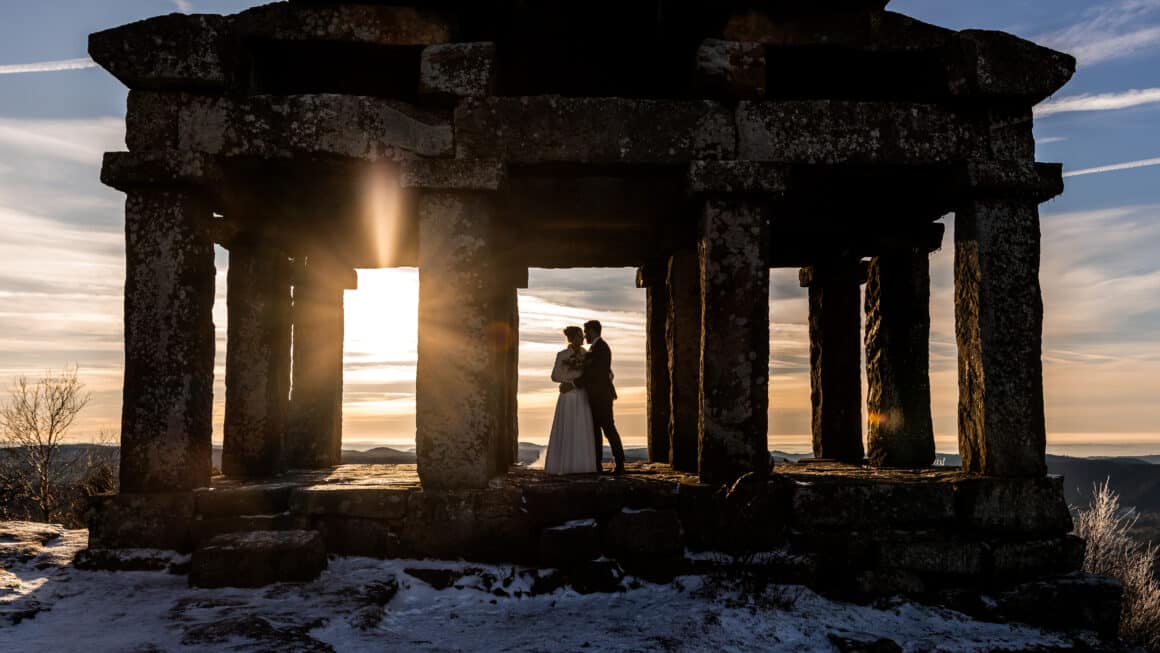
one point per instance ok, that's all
(644, 533)
(1072, 602)
(258, 558)
(136, 521)
(352, 536)
(1024, 560)
(205, 529)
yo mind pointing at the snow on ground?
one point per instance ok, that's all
(360, 604)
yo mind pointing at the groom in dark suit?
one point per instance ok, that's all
(596, 378)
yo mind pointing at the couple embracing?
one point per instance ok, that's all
(584, 408)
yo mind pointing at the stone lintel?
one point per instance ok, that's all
(165, 169)
(453, 174)
(999, 66)
(738, 177)
(854, 272)
(545, 129)
(1037, 181)
(458, 69)
(270, 126)
(858, 30)
(734, 68)
(372, 24)
(834, 132)
(177, 51)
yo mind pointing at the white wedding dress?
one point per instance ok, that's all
(571, 446)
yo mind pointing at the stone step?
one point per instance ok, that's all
(258, 558)
(260, 499)
(205, 528)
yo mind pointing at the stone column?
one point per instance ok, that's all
(457, 420)
(257, 360)
(836, 358)
(314, 429)
(167, 408)
(503, 339)
(898, 360)
(652, 279)
(683, 341)
(734, 396)
(998, 326)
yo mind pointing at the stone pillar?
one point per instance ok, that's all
(734, 396)
(503, 339)
(314, 429)
(167, 408)
(683, 341)
(456, 417)
(998, 326)
(257, 360)
(652, 279)
(836, 358)
(900, 432)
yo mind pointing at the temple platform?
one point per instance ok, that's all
(850, 529)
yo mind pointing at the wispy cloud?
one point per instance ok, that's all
(47, 66)
(1050, 139)
(184, 6)
(1099, 102)
(1110, 31)
(1128, 165)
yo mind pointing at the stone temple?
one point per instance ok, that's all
(703, 143)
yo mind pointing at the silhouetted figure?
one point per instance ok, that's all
(597, 380)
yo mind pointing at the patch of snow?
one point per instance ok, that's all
(362, 604)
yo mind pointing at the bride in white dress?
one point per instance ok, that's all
(570, 449)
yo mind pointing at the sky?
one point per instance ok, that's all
(62, 268)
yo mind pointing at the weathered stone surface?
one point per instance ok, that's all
(354, 536)
(700, 507)
(129, 170)
(453, 174)
(866, 31)
(175, 51)
(897, 298)
(683, 342)
(589, 497)
(644, 534)
(458, 69)
(257, 360)
(657, 372)
(373, 24)
(997, 65)
(733, 68)
(169, 343)
(259, 499)
(831, 132)
(592, 130)
(457, 420)
(314, 423)
(141, 521)
(1071, 602)
(1033, 506)
(998, 326)
(734, 341)
(280, 126)
(1026, 559)
(205, 529)
(738, 177)
(835, 358)
(1038, 181)
(943, 556)
(382, 502)
(258, 558)
(851, 504)
(484, 525)
(569, 544)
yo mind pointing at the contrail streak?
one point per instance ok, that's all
(1143, 163)
(47, 66)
